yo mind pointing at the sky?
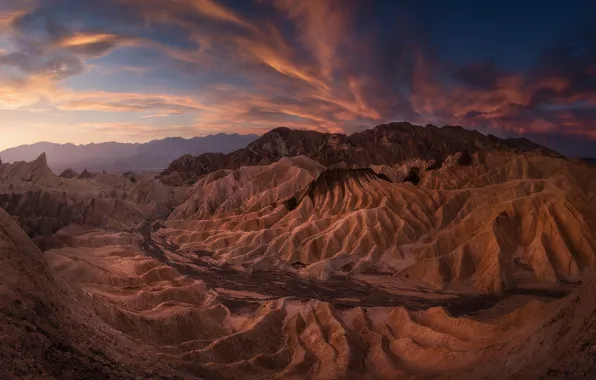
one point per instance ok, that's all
(86, 71)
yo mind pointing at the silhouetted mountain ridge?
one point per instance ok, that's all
(114, 156)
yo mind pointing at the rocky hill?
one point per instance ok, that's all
(383, 145)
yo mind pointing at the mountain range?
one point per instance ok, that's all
(122, 157)
(386, 144)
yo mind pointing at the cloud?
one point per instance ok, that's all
(127, 130)
(58, 65)
(481, 75)
(125, 102)
(43, 91)
(215, 10)
(183, 12)
(329, 65)
(92, 45)
(556, 95)
(323, 27)
(25, 93)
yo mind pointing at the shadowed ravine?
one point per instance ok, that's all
(342, 292)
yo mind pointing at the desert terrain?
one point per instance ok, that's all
(403, 252)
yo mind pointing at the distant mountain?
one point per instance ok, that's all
(121, 157)
(383, 145)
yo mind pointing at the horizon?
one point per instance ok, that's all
(246, 134)
(124, 142)
(132, 72)
(221, 133)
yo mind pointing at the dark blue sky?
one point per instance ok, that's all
(509, 32)
(134, 70)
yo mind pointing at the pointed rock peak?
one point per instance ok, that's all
(86, 175)
(42, 159)
(69, 173)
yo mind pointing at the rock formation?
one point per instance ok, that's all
(45, 203)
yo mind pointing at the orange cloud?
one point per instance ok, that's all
(175, 11)
(431, 97)
(28, 93)
(323, 28)
(79, 39)
(23, 93)
(274, 58)
(125, 102)
(134, 129)
(8, 18)
(218, 11)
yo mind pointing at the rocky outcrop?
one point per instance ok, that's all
(333, 180)
(36, 172)
(386, 144)
(302, 271)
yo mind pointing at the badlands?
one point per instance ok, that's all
(402, 252)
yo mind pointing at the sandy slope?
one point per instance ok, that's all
(493, 224)
(48, 327)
